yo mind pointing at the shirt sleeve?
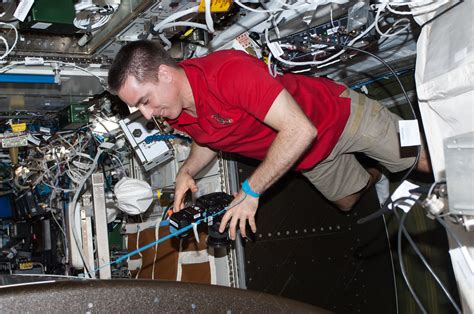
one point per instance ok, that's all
(246, 84)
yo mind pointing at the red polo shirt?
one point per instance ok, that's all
(233, 92)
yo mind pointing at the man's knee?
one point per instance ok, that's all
(345, 204)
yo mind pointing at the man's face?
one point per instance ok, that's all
(153, 99)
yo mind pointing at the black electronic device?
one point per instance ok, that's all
(213, 203)
(184, 218)
(207, 207)
(27, 205)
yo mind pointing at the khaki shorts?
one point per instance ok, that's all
(371, 129)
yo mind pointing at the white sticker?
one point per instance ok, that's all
(41, 25)
(409, 133)
(45, 130)
(22, 9)
(403, 190)
(275, 49)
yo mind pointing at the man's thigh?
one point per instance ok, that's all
(339, 176)
(373, 130)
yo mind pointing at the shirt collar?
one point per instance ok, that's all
(184, 119)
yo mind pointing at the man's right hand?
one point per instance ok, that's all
(184, 182)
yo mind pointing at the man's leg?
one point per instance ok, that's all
(346, 203)
(372, 130)
(342, 179)
(423, 163)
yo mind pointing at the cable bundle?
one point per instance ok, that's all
(90, 16)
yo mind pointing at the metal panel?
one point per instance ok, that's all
(305, 249)
(100, 221)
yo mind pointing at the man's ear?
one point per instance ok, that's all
(165, 74)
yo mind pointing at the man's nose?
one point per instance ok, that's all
(146, 113)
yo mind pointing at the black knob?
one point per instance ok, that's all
(150, 126)
(137, 132)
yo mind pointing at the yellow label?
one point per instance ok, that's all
(26, 265)
(217, 6)
(18, 127)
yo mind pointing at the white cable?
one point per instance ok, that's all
(168, 25)
(60, 227)
(74, 209)
(276, 55)
(325, 62)
(190, 24)
(9, 49)
(240, 4)
(175, 16)
(329, 63)
(165, 41)
(417, 11)
(377, 17)
(157, 227)
(139, 253)
(102, 82)
(271, 70)
(401, 30)
(11, 66)
(208, 15)
(167, 21)
(85, 24)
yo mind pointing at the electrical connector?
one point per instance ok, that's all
(434, 205)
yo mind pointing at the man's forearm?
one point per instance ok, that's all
(285, 150)
(199, 157)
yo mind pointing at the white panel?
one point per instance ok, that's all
(445, 85)
(445, 79)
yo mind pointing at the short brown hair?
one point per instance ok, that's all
(140, 59)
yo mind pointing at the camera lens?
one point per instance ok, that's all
(215, 238)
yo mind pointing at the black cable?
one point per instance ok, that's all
(438, 15)
(400, 257)
(403, 230)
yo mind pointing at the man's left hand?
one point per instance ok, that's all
(240, 213)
